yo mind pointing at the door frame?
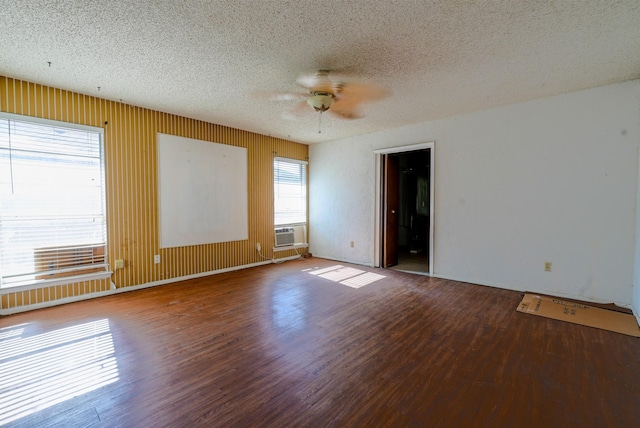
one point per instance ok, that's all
(390, 209)
(379, 215)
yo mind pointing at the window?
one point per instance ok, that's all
(52, 201)
(290, 191)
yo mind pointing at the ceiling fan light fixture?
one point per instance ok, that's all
(320, 101)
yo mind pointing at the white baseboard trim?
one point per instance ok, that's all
(474, 282)
(187, 277)
(522, 290)
(344, 261)
(637, 315)
(25, 308)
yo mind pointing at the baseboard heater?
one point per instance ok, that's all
(284, 237)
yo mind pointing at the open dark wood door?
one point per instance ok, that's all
(391, 200)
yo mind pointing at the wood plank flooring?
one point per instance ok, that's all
(287, 345)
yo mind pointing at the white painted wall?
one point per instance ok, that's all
(636, 275)
(546, 180)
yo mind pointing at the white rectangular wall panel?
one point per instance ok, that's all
(202, 191)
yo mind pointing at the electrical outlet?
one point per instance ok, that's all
(156, 258)
(351, 244)
(258, 247)
(119, 264)
(547, 266)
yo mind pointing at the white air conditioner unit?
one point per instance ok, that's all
(285, 236)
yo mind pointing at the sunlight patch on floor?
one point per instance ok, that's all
(362, 280)
(40, 371)
(351, 277)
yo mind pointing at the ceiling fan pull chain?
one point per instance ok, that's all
(320, 123)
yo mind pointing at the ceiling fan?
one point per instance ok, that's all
(339, 96)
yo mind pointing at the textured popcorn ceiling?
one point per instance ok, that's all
(205, 59)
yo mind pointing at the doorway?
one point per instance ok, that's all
(404, 220)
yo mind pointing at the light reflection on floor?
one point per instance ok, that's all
(351, 277)
(289, 309)
(40, 371)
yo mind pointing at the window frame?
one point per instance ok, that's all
(105, 271)
(306, 191)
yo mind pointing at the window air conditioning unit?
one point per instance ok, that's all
(284, 237)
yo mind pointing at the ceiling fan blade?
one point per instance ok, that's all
(346, 109)
(361, 92)
(318, 82)
(297, 111)
(280, 96)
(346, 115)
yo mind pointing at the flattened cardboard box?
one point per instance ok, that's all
(578, 313)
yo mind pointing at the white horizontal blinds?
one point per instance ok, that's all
(52, 201)
(290, 191)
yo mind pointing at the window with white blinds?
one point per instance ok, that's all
(290, 191)
(52, 201)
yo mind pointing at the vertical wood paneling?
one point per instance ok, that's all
(131, 187)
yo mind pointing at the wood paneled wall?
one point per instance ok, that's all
(131, 187)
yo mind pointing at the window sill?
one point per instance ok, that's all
(43, 283)
(290, 247)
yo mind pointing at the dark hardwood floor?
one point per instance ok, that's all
(287, 345)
